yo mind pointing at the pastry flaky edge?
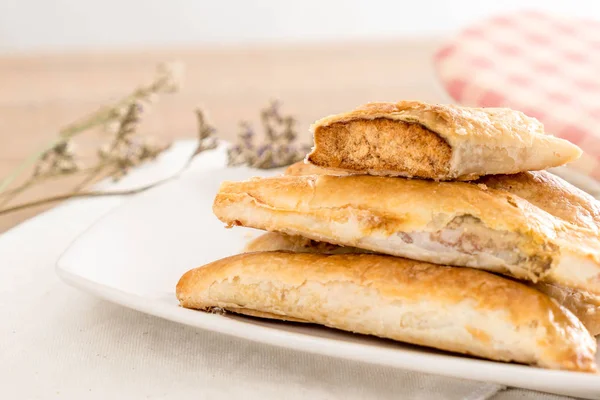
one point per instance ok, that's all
(584, 305)
(455, 223)
(436, 141)
(542, 189)
(455, 309)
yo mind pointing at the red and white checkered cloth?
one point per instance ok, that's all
(544, 65)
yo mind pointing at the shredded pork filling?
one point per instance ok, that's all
(467, 235)
(468, 242)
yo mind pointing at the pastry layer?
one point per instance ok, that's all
(576, 211)
(548, 192)
(456, 309)
(584, 305)
(435, 141)
(454, 223)
(447, 222)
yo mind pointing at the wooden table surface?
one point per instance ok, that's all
(41, 93)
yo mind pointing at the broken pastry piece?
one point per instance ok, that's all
(455, 309)
(453, 223)
(585, 306)
(435, 141)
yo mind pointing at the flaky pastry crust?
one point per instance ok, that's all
(585, 306)
(577, 211)
(456, 309)
(552, 194)
(475, 225)
(436, 141)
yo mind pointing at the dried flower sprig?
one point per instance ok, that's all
(125, 149)
(206, 136)
(167, 80)
(59, 160)
(276, 148)
(128, 149)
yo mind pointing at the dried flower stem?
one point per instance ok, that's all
(93, 193)
(97, 118)
(25, 185)
(167, 82)
(14, 193)
(206, 141)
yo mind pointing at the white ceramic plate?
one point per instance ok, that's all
(135, 255)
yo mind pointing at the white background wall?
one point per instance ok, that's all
(51, 25)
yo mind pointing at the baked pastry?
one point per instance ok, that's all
(435, 141)
(456, 309)
(584, 305)
(453, 223)
(543, 189)
(540, 188)
(552, 194)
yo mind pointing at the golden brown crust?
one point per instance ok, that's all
(540, 188)
(552, 194)
(577, 211)
(374, 213)
(315, 287)
(579, 238)
(584, 305)
(401, 202)
(383, 206)
(435, 141)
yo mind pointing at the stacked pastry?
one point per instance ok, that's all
(421, 223)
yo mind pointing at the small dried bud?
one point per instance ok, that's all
(265, 160)
(104, 152)
(265, 148)
(206, 134)
(66, 167)
(278, 146)
(170, 76)
(112, 127)
(246, 131)
(209, 143)
(150, 149)
(130, 121)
